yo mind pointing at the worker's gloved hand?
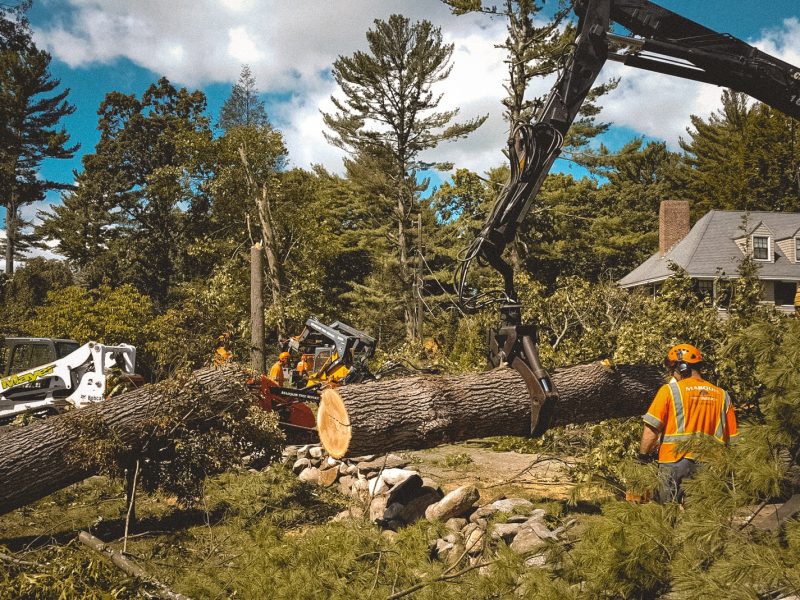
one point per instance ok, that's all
(644, 459)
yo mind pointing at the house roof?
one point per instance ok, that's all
(710, 249)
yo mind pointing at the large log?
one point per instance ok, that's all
(423, 412)
(35, 460)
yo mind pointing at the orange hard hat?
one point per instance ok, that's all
(284, 356)
(684, 353)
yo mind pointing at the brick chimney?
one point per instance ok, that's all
(673, 223)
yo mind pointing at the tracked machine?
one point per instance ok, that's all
(46, 375)
(659, 40)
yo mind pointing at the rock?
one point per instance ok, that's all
(389, 534)
(289, 454)
(393, 512)
(452, 538)
(516, 519)
(484, 512)
(391, 461)
(537, 560)
(454, 504)
(309, 475)
(360, 487)
(406, 489)
(351, 469)
(300, 464)
(377, 508)
(316, 451)
(345, 485)
(532, 534)
(302, 451)
(328, 477)
(342, 516)
(344, 469)
(427, 482)
(505, 531)
(330, 463)
(513, 505)
(377, 486)
(473, 539)
(441, 548)
(456, 524)
(364, 458)
(415, 508)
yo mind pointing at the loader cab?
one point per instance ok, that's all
(19, 354)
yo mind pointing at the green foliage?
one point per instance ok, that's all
(27, 289)
(743, 157)
(30, 112)
(190, 441)
(106, 314)
(67, 572)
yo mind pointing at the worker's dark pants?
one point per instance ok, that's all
(671, 475)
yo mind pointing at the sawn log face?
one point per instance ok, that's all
(422, 412)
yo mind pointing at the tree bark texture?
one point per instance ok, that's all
(422, 412)
(257, 334)
(34, 460)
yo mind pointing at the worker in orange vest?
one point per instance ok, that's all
(685, 409)
(276, 372)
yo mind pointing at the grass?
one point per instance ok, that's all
(255, 535)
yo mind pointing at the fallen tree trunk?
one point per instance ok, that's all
(422, 412)
(36, 460)
(415, 412)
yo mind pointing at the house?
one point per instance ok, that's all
(716, 245)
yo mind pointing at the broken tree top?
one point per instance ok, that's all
(422, 412)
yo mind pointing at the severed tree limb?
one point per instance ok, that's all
(35, 460)
(423, 412)
(127, 565)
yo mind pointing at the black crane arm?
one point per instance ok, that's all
(666, 43)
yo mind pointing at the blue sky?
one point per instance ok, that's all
(124, 45)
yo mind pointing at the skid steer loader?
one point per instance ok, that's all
(51, 375)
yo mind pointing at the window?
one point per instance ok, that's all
(760, 247)
(28, 356)
(705, 287)
(797, 249)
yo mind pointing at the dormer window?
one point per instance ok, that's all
(761, 247)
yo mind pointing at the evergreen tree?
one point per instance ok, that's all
(30, 111)
(743, 157)
(142, 192)
(386, 117)
(243, 106)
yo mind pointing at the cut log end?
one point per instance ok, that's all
(333, 424)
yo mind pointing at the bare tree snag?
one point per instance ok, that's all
(422, 412)
(35, 460)
(257, 350)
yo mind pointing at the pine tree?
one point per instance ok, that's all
(387, 118)
(142, 192)
(743, 157)
(243, 106)
(30, 111)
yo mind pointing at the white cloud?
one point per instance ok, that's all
(291, 48)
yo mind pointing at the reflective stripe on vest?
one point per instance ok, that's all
(677, 402)
(721, 432)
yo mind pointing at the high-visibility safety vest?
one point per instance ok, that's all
(276, 373)
(686, 409)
